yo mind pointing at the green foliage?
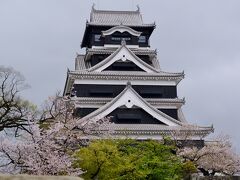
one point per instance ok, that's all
(131, 159)
(188, 168)
(101, 159)
(167, 140)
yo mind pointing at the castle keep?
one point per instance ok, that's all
(120, 77)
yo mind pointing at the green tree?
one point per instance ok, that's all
(131, 159)
(100, 159)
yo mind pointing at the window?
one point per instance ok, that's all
(117, 38)
(126, 38)
(142, 39)
(97, 37)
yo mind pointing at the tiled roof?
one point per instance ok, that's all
(105, 50)
(155, 129)
(120, 75)
(130, 75)
(79, 62)
(116, 17)
(147, 131)
(98, 102)
(158, 127)
(155, 63)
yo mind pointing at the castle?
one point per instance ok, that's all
(120, 77)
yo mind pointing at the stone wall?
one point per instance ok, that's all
(27, 177)
(215, 178)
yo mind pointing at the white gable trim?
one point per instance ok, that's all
(123, 54)
(121, 29)
(129, 98)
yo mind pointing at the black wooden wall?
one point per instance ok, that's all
(146, 91)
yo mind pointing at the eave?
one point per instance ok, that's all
(103, 50)
(116, 75)
(178, 132)
(96, 102)
(150, 26)
(66, 86)
(90, 25)
(149, 131)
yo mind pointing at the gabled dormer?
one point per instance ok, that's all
(129, 99)
(124, 59)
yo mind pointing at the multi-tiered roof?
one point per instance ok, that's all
(120, 77)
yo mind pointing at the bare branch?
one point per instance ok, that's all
(14, 111)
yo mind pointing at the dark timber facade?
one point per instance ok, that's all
(120, 77)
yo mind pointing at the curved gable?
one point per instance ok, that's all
(123, 54)
(129, 98)
(121, 29)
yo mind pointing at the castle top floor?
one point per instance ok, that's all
(107, 28)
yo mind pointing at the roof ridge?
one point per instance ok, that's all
(115, 17)
(165, 72)
(131, 25)
(112, 11)
(117, 11)
(80, 55)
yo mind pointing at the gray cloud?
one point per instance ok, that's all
(40, 39)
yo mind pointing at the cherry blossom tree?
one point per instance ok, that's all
(215, 157)
(38, 153)
(48, 148)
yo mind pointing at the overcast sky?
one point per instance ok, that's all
(40, 39)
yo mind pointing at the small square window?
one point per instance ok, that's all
(142, 39)
(97, 37)
(116, 38)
